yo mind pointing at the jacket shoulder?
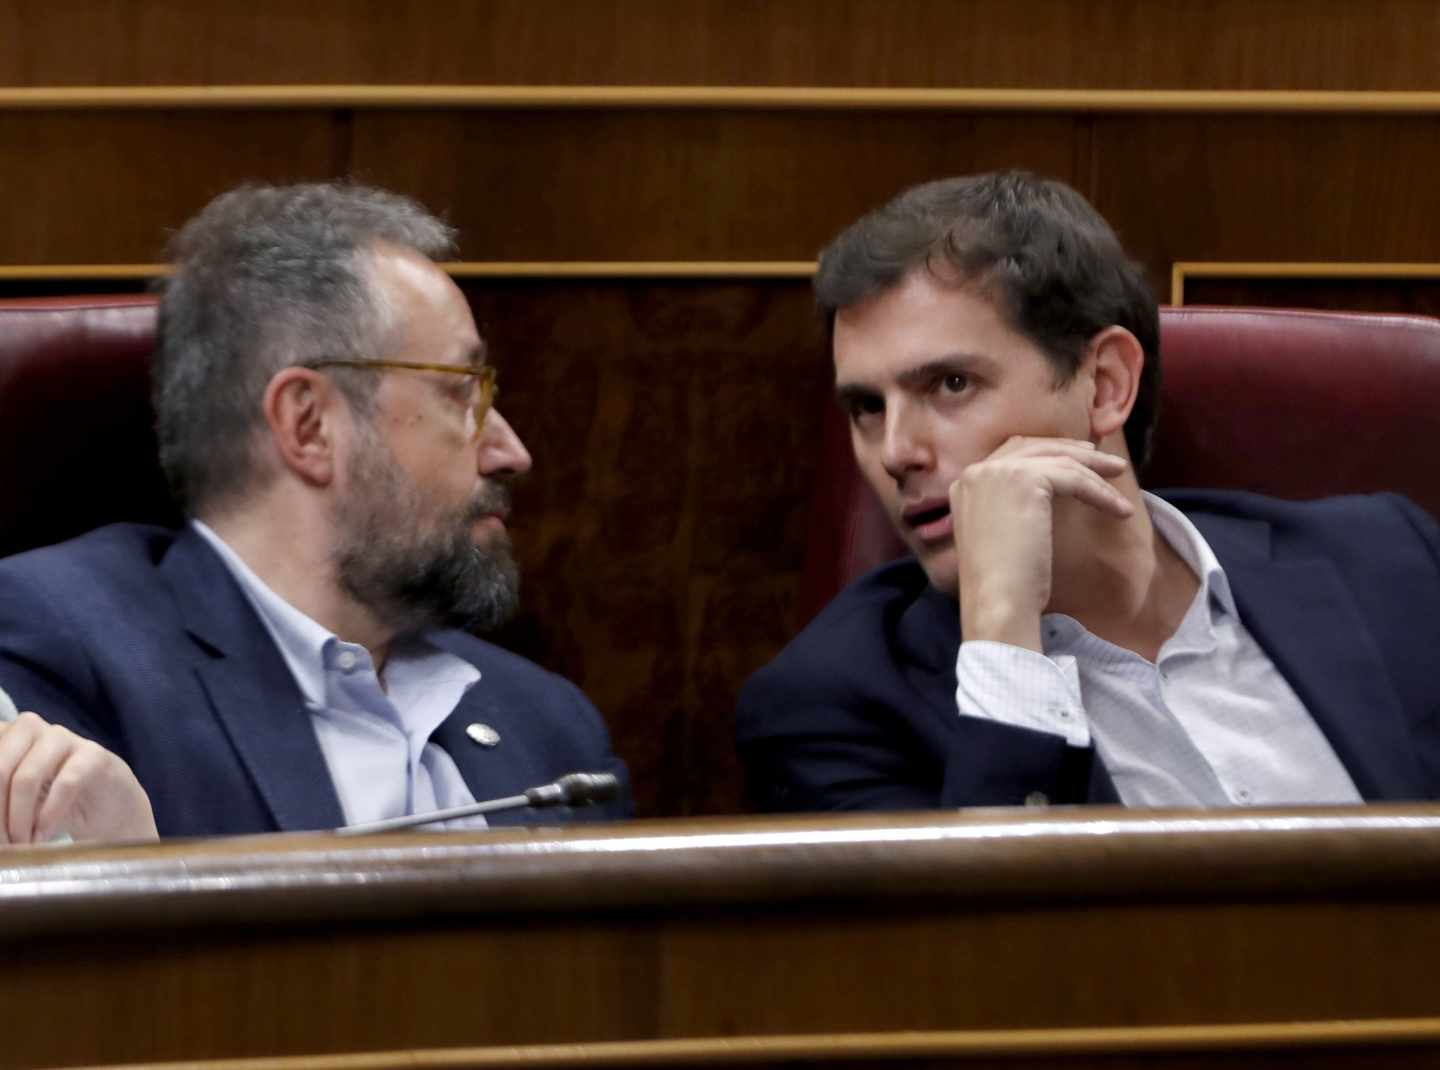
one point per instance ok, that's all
(1383, 508)
(1383, 529)
(846, 637)
(111, 551)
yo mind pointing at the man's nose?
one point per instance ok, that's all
(906, 446)
(500, 451)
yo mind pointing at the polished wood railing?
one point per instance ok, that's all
(1091, 937)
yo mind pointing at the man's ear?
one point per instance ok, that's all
(1115, 358)
(300, 407)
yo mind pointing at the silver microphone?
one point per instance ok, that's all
(572, 789)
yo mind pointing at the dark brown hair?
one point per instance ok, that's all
(1038, 248)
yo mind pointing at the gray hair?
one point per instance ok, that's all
(266, 277)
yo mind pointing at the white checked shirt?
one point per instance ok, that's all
(1211, 722)
(375, 739)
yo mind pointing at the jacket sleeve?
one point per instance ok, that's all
(602, 759)
(810, 743)
(42, 666)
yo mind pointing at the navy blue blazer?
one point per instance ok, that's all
(140, 639)
(858, 712)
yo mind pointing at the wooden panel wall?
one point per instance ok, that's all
(1413, 296)
(675, 423)
(673, 426)
(1142, 44)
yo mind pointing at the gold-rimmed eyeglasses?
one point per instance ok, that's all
(484, 377)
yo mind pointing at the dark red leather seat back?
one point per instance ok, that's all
(1287, 403)
(77, 445)
(1299, 404)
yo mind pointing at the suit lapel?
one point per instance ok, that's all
(1303, 616)
(928, 636)
(482, 768)
(489, 772)
(251, 689)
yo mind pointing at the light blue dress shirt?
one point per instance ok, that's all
(1210, 722)
(374, 735)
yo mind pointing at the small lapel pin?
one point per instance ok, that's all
(483, 734)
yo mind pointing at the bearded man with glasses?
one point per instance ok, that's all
(300, 655)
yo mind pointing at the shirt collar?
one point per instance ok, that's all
(1185, 539)
(1060, 633)
(302, 641)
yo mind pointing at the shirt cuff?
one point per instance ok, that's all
(1015, 686)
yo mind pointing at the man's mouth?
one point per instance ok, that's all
(492, 503)
(488, 514)
(929, 519)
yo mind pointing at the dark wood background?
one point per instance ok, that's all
(675, 423)
(1141, 44)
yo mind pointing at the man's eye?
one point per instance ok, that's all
(954, 383)
(861, 407)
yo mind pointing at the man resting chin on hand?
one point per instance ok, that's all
(1060, 635)
(53, 783)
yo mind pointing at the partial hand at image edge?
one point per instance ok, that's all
(8, 715)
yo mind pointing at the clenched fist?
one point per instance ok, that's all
(53, 781)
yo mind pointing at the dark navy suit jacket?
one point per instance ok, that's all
(858, 712)
(140, 639)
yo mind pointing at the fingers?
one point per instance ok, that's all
(31, 752)
(1034, 445)
(31, 781)
(1077, 449)
(1056, 467)
(15, 740)
(84, 767)
(1073, 479)
(53, 781)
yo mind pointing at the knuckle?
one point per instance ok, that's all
(67, 781)
(90, 751)
(27, 782)
(973, 474)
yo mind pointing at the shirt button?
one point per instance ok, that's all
(1037, 798)
(346, 660)
(1243, 795)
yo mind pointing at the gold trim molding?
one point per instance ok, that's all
(814, 98)
(823, 1049)
(480, 269)
(1319, 269)
(758, 269)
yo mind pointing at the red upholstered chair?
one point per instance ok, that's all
(77, 445)
(1286, 403)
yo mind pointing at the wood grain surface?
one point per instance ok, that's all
(1003, 931)
(1197, 44)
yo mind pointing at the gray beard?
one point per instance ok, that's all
(414, 581)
